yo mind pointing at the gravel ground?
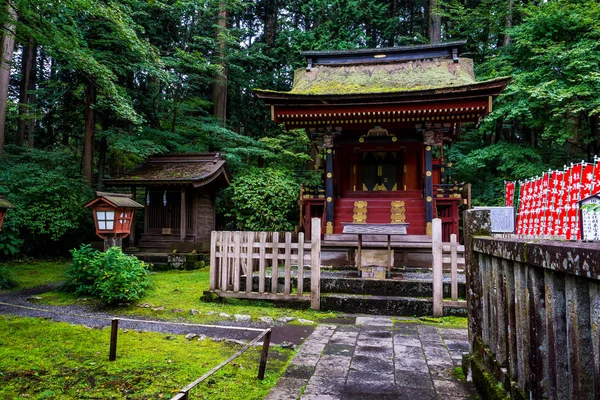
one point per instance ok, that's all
(22, 303)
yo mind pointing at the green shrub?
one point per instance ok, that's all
(7, 278)
(48, 193)
(261, 200)
(110, 276)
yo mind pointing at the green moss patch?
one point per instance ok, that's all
(43, 359)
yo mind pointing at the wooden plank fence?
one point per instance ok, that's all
(240, 263)
(451, 254)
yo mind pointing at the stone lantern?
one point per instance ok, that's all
(113, 215)
(4, 205)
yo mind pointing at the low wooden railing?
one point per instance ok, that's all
(534, 312)
(236, 256)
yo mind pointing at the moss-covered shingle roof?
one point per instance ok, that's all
(196, 169)
(383, 78)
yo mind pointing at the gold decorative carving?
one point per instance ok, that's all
(360, 212)
(429, 199)
(377, 131)
(329, 175)
(428, 229)
(398, 211)
(329, 199)
(428, 173)
(329, 228)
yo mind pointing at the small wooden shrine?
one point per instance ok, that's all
(179, 199)
(378, 120)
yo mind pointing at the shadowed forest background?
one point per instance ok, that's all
(91, 88)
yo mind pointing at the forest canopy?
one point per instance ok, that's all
(89, 89)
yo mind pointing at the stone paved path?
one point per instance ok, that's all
(376, 359)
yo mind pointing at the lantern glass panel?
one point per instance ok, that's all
(106, 220)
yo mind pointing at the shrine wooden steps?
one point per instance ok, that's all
(379, 211)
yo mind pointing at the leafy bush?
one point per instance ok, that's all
(110, 276)
(7, 278)
(262, 199)
(49, 194)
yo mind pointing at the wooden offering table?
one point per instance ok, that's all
(375, 229)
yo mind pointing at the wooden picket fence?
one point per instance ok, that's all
(239, 258)
(452, 254)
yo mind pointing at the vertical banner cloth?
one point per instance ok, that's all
(509, 194)
(574, 193)
(520, 215)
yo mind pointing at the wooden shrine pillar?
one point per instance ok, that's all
(428, 188)
(329, 188)
(183, 222)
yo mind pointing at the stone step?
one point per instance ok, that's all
(384, 305)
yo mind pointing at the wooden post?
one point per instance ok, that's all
(315, 264)
(263, 356)
(288, 264)
(112, 241)
(261, 262)
(236, 261)
(300, 263)
(275, 263)
(249, 260)
(114, 331)
(329, 195)
(183, 216)
(213, 260)
(428, 185)
(436, 244)
(454, 267)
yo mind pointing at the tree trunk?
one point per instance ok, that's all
(28, 62)
(434, 25)
(88, 139)
(102, 149)
(7, 45)
(508, 23)
(270, 22)
(219, 89)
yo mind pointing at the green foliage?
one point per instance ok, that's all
(110, 276)
(262, 199)
(487, 167)
(7, 278)
(48, 194)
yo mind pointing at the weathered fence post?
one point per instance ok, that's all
(263, 355)
(213, 260)
(438, 289)
(315, 264)
(476, 222)
(114, 331)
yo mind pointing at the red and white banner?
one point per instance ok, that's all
(509, 194)
(549, 205)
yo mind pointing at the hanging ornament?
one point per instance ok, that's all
(165, 199)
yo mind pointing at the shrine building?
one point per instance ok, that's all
(378, 120)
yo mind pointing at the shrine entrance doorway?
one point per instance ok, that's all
(380, 171)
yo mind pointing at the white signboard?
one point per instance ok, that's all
(590, 219)
(503, 218)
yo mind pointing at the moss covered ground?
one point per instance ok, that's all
(54, 360)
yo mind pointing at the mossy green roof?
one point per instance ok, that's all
(382, 78)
